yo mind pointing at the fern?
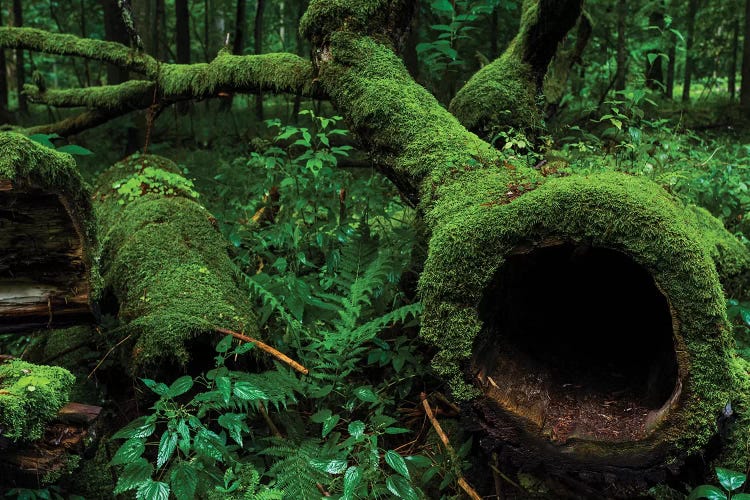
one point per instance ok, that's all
(297, 469)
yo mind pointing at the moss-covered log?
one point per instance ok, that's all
(46, 238)
(581, 319)
(503, 94)
(167, 272)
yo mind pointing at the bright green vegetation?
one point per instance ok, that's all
(165, 264)
(30, 396)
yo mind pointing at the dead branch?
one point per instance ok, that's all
(267, 348)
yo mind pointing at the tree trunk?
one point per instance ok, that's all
(3, 78)
(46, 239)
(182, 31)
(258, 37)
(114, 30)
(689, 42)
(672, 54)
(506, 241)
(745, 88)
(734, 50)
(238, 46)
(20, 66)
(654, 63)
(622, 54)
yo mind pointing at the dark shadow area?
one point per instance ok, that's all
(580, 341)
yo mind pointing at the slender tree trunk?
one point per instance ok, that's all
(745, 89)
(689, 60)
(20, 70)
(622, 55)
(182, 31)
(411, 59)
(654, 65)
(159, 29)
(84, 34)
(732, 77)
(114, 31)
(672, 53)
(494, 20)
(240, 28)
(258, 32)
(3, 75)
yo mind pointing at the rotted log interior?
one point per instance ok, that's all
(43, 277)
(578, 345)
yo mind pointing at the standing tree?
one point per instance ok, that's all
(745, 89)
(580, 319)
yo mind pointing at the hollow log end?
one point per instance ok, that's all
(585, 322)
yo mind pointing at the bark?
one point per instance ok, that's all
(258, 38)
(240, 29)
(3, 78)
(114, 31)
(622, 55)
(73, 432)
(732, 76)
(655, 68)
(745, 88)
(20, 66)
(46, 239)
(672, 54)
(689, 43)
(487, 104)
(182, 31)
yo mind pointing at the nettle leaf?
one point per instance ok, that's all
(184, 440)
(224, 344)
(141, 427)
(129, 451)
(707, 491)
(180, 386)
(396, 462)
(401, 488)
(157, 387)
(356, 429)
(73, 149)
(184, 480)
(224, 387)
(335, 466)
(352, 478)
(366, 394)
(330, 424)
(235, 424)
(167, 445)
(134, 475)
(730, 479)
(153, 490)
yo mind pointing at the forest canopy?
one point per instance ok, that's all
(374, 249)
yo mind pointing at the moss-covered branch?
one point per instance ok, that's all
(165, 84)
(503, 93)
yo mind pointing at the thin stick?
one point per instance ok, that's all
(444, 438)
(267, 348)
(105, 356)
(274, 430)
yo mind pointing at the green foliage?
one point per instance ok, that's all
(46, 140)
(155, 180)
(730, 482)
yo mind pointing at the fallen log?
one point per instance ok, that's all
(46, 237)
(580, 319)
(57, 453)
(168, 276)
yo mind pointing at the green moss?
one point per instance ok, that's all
(472, 234)
(324, 17)
(96, 478)
(132, 94)
(30, 396)
(169, 268)
(731, 257)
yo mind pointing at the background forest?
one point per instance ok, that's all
(327, 250)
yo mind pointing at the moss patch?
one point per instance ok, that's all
(30, 396)
(169, 269)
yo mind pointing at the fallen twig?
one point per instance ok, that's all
(444, 438)
(267, 348)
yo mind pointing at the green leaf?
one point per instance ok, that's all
(330, 424)
(158, 388)
(745, 313)
(366, 394)
(442, 6)
(335, 466)
(72, 149)
(356, 429)
(235, 424)
(707, 491)
(741, 496)
(184, 432)
(184, 480)
(44, 139)
(397, 430)
(248, 392)
(134, 475)
(180, 386)
(401, 488)
(129, 451)
(396, 461)
(730, 479)
(224, 387)
(352, 478)
(167, 445)
(153, 490)
(224, 344)
(141, 427)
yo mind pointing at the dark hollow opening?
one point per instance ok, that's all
(579, 340)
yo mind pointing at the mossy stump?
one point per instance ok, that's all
(168, 275)
(46, 238)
